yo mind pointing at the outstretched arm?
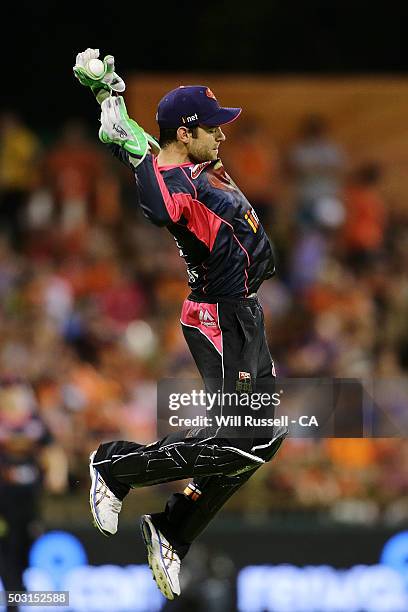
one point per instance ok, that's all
(128, 141)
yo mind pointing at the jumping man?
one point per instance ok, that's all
(183, 186)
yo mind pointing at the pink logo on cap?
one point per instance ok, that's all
(209, 93)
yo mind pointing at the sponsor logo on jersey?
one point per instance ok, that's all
(206, 318)
(244, 376)
(244, 383)
(198, 168)
(192, 275)
(252, 219)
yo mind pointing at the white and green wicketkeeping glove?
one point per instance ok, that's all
(104, 80)
(118, 128)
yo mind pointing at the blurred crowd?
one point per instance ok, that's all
(90, 296)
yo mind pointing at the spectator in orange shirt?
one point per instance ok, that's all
(362, 234)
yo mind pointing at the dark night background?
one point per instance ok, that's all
(275, 36)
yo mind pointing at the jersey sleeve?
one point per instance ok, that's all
(121, 154)
(162, 199)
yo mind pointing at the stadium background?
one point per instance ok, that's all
(89, 323)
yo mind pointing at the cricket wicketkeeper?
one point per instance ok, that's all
(183, 186)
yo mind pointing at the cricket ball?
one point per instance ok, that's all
(96, 68)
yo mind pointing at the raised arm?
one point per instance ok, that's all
(162, 203)
(130, 143)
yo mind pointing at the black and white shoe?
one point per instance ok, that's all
(105, 506)
(162, 558)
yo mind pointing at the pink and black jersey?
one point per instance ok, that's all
(226, 249)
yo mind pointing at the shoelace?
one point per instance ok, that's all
(170, 553)
(104, 491)
(116, 505)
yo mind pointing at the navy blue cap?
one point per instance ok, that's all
(193, 105)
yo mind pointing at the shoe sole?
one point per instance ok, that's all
(152, 541)
(94, 477)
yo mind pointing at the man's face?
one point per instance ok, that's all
(203, 145)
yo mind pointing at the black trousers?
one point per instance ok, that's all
(228, 343)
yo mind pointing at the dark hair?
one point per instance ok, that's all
(169, 135)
